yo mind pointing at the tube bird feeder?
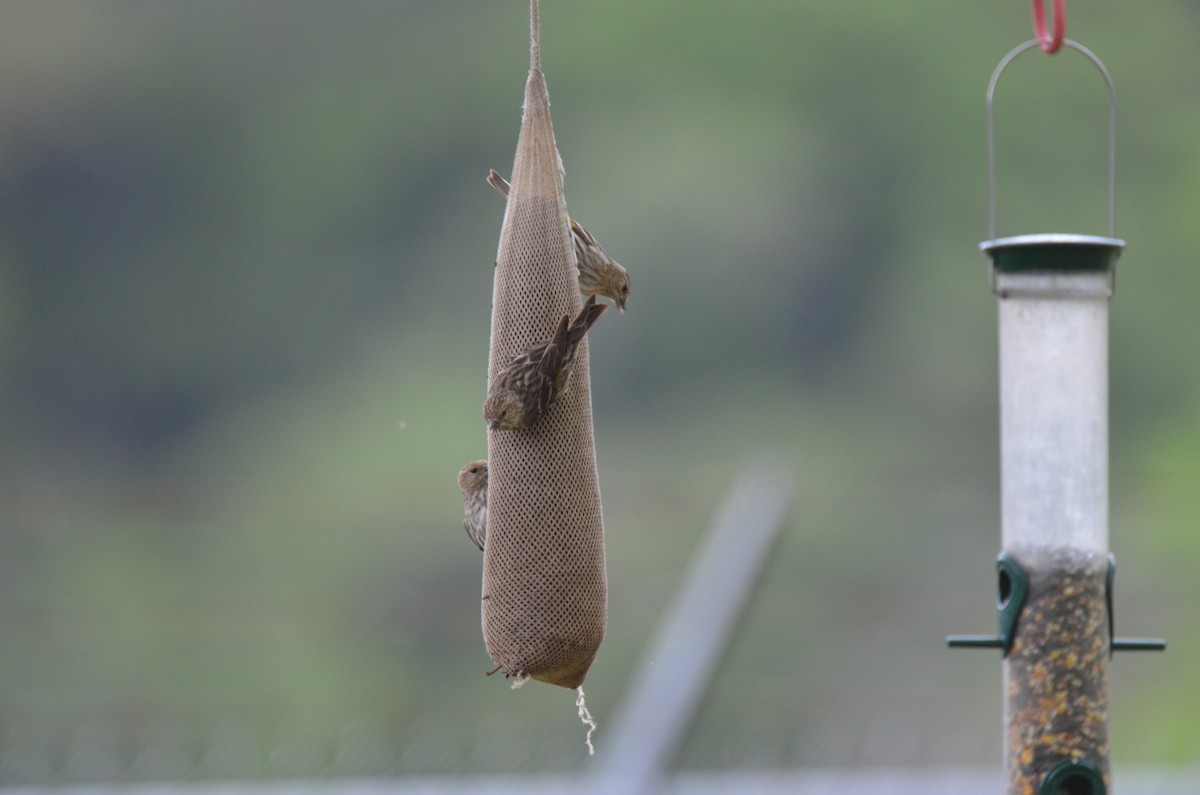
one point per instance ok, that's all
(1054, 570)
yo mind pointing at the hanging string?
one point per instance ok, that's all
(1050, 42)
(535, 45)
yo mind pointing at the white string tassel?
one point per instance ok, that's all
(587, 719)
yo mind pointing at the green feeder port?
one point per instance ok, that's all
(1012, 590)
(1073, 778)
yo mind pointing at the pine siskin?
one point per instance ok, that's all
(599, 274)
(473, 481)
(532, 381)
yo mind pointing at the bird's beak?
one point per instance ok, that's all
(621, 305)
(493, 424)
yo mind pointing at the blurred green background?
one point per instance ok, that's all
(245, 276)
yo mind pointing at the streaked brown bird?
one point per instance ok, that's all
(473, 481)
(599, 274)
(533, 380)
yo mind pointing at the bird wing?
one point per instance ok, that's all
(585, 237)
(498, 182)
(548, 373)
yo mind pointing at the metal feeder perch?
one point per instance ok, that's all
(1055, 571)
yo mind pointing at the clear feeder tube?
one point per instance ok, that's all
(1054, 519)
(1054, 412)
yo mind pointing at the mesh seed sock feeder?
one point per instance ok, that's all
(1055, 570)
(544, 587)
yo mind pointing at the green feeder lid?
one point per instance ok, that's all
(1053, 253)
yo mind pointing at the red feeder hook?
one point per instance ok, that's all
(1050, 42)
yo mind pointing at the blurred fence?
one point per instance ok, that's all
(235, 750)
(890, 781)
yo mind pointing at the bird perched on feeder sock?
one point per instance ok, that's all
(473, 482)
(529, 384)
(599, 274)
